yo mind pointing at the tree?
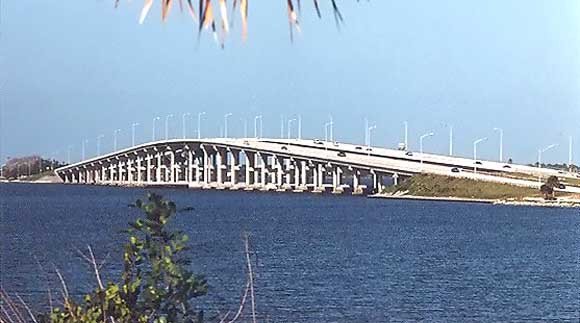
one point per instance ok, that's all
(553, 182)
(547, 191)
(155, 283)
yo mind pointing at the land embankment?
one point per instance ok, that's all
(439, 187)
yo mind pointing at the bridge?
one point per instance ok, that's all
(283, 165)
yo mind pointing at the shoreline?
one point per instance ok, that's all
(536, 202)
(565, 203)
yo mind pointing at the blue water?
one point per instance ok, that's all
(319, 258)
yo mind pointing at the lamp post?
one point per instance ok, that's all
(369, 131)
(167, 125)
(115, 139)
(99, 144)
(199, 124)
(540, 152)
(256, 134)
(281, 126)
(226, 124)
(430, 134)
(475, 143)
(331, 124)
(406, 124)
(299, 126)
(245, 124)
(135, 124)
(500, 130)
(290, 127)
(570, 156)
(68, 151)
(450, 140)
(154, 128)
(183, 131)
(83, 148)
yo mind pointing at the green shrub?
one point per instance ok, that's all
(155, 285)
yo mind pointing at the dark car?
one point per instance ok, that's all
(455, 170)
(369, 149)
(507, 166)
(562, 186)
(478, 163)
(358, 148)
(341, 154)
(284, 148)
(409, 153)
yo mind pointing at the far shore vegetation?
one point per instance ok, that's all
(430, 185)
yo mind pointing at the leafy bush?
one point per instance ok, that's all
(155, 283)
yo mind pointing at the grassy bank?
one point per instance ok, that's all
(444, 186)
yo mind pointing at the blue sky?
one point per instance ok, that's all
(70, 72)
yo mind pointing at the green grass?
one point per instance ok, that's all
(444, 186)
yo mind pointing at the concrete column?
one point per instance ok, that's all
(356, 182)
(148, 170)
(248, 164)
(190, 166)
(139, 174)
(315, 176)
(158, 169)
(206, 175)
(296, 174)
(197, 169)
(320, 177)
(111, 173)
(173, 168)
(396, 179)
(279, 172)
(257, 159)
(130, 170)
(219, 163)
(303, 175)
(264, 165)
(286, 164)
(235, 159)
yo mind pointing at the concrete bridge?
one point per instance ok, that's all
(274, 164)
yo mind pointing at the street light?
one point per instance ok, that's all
(68, 151)
(183, 124)
(540, 152)
(133, 133)
(299, 126)
(245, 123)
(99, 144)
(167, 125)
(331, 124)
(290, 127)
(450, 139)
(475, 143)
(256, 126)
(500, 130)
(406, 124)
(155, 119)
(83, 148)
(199, 124)
(226, 124)
(570, 156)
(430, 134)
(369, 131)
(115, 139)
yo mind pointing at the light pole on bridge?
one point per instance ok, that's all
(290, 127)
(154, 127)
(430, 134)
(99, 137)
(256, 133)
(167, 125)
(135, 124)
(226, 124)
(500, 130)
(475, 143)
(370, 132)
(115, 139)
(83, 154)
(199, 124)
(183, 125)
(540, 152)
(406, 124)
